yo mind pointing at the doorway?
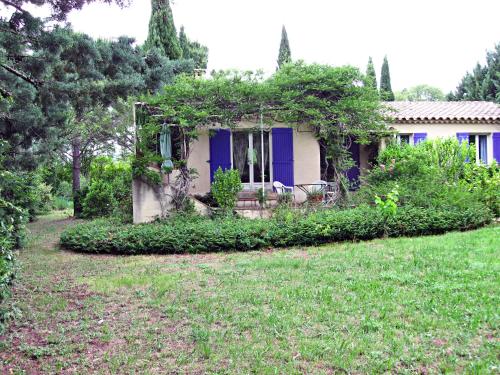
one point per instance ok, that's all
(251, 157)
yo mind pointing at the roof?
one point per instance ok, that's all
(462, 111)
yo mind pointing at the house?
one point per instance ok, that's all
(292, 155)
(477, 123)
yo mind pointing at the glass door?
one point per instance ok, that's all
(251, 159)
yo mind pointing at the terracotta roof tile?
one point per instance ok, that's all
(443, 111)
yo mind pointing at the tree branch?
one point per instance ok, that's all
(13, 5)
(21, 75)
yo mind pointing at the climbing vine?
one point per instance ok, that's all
(336, 102)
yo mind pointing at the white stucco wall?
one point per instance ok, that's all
(307, 168)
(146, 206)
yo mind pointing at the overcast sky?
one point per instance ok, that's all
(426, 41)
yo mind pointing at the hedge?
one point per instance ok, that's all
(12, 222)
(204, 235)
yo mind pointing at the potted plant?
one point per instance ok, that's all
(315, 196)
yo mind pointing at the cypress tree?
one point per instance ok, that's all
(385, 82)
(162, 33)
(193, 50)
(184, 43)
(370, 74)
(285, 55)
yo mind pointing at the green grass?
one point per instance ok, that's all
(406, 305)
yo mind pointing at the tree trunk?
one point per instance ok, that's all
(77, 165)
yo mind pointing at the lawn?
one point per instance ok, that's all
(405, 305)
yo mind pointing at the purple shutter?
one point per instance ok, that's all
(496, 147)
(463, 137)
(419, 137)
(283, 155)
(220, 151)
(353, 172)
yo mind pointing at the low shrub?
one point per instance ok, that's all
(225, 188)
(231, 234)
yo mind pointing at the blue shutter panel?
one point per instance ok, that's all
(419, 137)
(283, 155)
(220, 151)
(463, 137)
(496, 147)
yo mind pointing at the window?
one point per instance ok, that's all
(403, 139)
(480, 142)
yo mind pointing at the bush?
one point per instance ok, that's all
(225, 188)
(437, 173)
(99, 200)
(484, 181)
(12, 222)
(229, 234)
(26, 190)
(61, 203)
(109, 191)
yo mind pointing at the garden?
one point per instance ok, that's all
(429, 188)
(396, 273)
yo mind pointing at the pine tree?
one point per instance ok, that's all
(370, 74)
(385, 82)
(285, 55)
(484, 81)
(162, 33)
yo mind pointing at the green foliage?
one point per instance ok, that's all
(484, 182)
(388, 205)
(440, 173)
(371, 76)
(385, 82)
(334, 101)
(110, 189)
(484, 81)
(195, 235)
(262, 197)
(193, 50)
(12, 232)
(162, 33)
(99, 201)
(225, 188)
(420, 93)
(285, 54)
(26, 190)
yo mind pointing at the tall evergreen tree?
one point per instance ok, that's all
(370, 73)
(285, 54)
(193, 50)
(162, 33)
(484, 81)
(385, 82)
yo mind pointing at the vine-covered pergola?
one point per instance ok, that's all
(337, 102)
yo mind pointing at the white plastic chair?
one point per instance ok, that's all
(282, 189)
